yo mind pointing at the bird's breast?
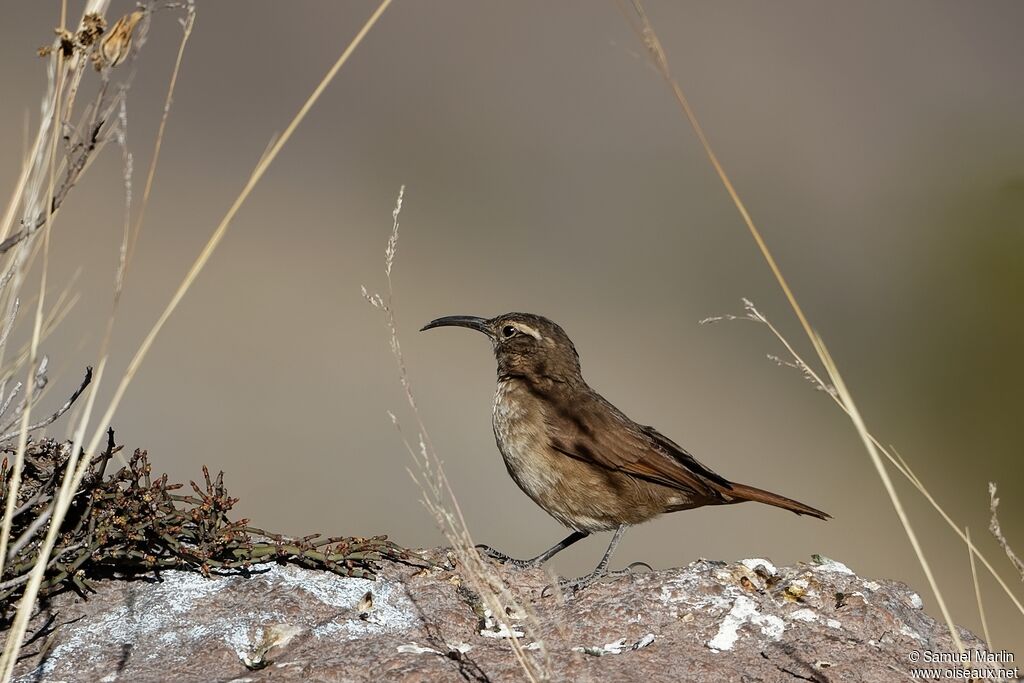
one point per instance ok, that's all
(519, 430)
(560, 485)
(576, 492)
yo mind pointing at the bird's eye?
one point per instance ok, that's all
(508, 331)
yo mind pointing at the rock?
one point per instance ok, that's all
(709, 621)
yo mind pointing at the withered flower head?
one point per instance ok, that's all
(116, 44)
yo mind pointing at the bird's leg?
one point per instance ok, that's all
(540, 559)
(602, 567)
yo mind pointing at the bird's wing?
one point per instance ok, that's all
(685, 458)
(599, 433)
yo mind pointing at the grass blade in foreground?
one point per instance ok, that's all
(650, 38)
(71, 483)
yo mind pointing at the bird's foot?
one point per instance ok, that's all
(501, 557)
(579, 583)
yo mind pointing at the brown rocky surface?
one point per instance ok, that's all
(709, 621)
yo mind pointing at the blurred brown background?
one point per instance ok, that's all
(879, 146)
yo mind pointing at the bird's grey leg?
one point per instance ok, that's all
(602, 567)
(540, 559)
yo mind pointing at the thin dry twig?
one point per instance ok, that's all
(79, 469)
(34, 363)
(132, 523)
(997, 532)
(977, 592)
(644, 29)
(897, 461)
(187, 24)
(56, 415)
(883, 473)
(439, 499)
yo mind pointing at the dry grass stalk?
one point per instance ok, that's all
(977, 591)
(33, 358)
(40, 170)
(31, 382)
(186, 24)
(79, 144)
(753, 315)
(997, 532)
(645, 30)
(876, 459)
(79, 466)
(440, 501)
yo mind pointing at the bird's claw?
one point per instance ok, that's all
(579, 583)
(492, 553)
(502, 558)
(573, 586)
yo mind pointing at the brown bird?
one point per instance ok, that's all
(578, 456)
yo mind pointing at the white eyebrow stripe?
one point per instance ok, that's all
(528, 330)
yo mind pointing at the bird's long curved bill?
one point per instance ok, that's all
(471, 321)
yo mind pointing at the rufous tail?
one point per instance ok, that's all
(741, 492)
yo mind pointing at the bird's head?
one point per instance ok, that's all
(524, 344)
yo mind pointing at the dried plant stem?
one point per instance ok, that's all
(58, 311)
(76, 470)
(650, 39)
(19, 460)
(187, 24)
(997, 532)
(883, 474)
(77, 63)
(133, 523)
(54, 416)
(897, 461)
(19, 188)
(220, 231)
(977, 589)
(437, 493)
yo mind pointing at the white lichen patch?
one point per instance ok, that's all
(832, 623)
(723, 576)
(178, 593)
(493, 628)
(615, 648)
(328, 589)
(392, 610)
(834, 567)
(415, 648)
(872, 585)
(644, 642)
(805, 614)
(689, 591)
(911, 633)
(501, 630)
(179, 598)
(753, 563)
(744, 610)
(916, 602)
